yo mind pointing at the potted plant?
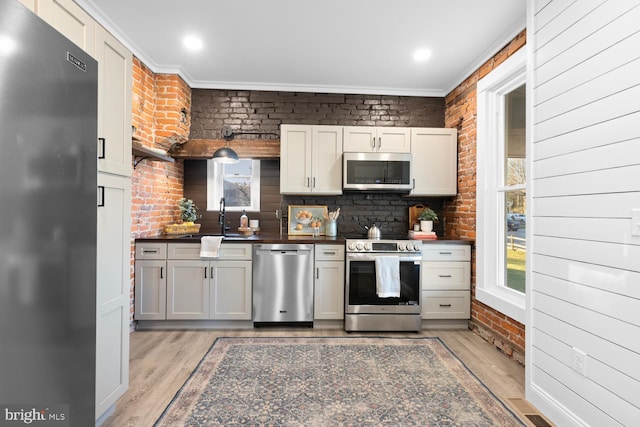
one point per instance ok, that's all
(188, 210)
(426, 218)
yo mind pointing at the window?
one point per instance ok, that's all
(502, 188)
(238, 183)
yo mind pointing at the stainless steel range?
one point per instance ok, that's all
(366, 307)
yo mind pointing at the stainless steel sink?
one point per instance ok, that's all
(228, 236)
(232, 236)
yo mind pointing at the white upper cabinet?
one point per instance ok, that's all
(69, 19)
(364, 139)
(310, 159)
(435, 161)
(114, 104)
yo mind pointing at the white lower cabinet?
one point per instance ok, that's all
(230, 290)
(174, 283)
(188, 289)
(328, 302)
(151, 290)
(445, 279)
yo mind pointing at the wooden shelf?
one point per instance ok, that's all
(141, 153)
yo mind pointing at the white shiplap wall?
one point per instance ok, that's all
(584, 264)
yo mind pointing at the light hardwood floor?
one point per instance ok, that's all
(161, 361)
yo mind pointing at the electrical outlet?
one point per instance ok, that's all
(580, 362)
(635, 222)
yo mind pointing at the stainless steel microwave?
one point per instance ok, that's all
(377, 172)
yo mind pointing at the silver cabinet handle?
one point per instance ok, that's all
(317, 273)
(314, 182)
(445, 253)
(329, 253)
(373, 142)
(445, 305)
(205, 272)
(379, 142)
(162, 272)
(308, 182)
(149, 251)
(444, 275)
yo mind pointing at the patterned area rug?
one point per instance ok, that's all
(350, 381)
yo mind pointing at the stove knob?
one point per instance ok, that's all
(367, 246)
(352, 246)
(360, 246)
(401, 247)
(417, 247)
(410, 247)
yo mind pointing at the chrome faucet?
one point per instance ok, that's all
(221, 216)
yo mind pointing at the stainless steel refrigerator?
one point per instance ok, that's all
(48, 197)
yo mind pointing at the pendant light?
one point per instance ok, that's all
(226, 154)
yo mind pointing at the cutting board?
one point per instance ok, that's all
(414, 211)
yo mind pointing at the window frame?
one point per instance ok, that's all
(490, 188)
(215, 179)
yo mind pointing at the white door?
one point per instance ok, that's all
(295, 159)
(230, 292)
(112, 289)
(188, 289)
(394, 140)
(114, 104)
(435, 160)
(151, 290)
(359, 139)
(327, 160)
(329, 290)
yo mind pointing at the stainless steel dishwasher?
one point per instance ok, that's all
(283, 284)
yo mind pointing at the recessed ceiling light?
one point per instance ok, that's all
(422, 55)
(192, 43)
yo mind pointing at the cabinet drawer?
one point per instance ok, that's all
(439, 252)
(438, 275)
(329, 253)
(228, 251)
(446, 304)
(151, 250)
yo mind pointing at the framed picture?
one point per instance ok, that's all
(303, 219)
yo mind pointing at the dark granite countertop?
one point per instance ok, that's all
(275, 238)
(235, 238)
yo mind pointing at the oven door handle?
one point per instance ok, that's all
(372, 257)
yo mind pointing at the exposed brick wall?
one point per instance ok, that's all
(460, 111)
(156, 186)
(253, 111)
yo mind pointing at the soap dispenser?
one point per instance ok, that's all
(244, 220)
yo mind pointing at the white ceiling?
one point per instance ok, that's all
(336, 46)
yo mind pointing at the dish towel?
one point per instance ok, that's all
(210, 246)
(388, 276)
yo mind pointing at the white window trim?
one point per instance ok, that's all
(214, 188)
(490, 238)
